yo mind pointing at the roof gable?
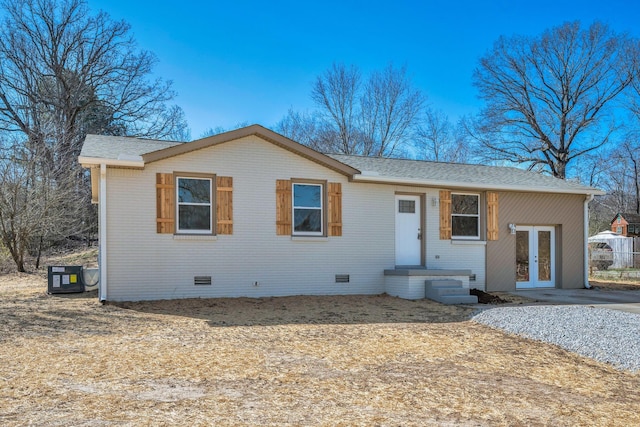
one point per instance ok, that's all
(257, 130)
(116, 150)
(630, 217)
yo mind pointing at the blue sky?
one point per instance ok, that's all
(249, 61)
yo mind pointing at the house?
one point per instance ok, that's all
(626, 224)
(252, 213)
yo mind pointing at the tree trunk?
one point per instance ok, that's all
(17, 255)
(39, 253)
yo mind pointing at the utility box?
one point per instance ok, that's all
(65, 279)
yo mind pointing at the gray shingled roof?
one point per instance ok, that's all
(460, 175)
(111, 147)
(631, 217)
(373, 168)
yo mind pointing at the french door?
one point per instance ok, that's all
(535, 257)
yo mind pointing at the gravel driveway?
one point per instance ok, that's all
(609, 336)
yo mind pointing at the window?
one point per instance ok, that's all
(619, 230)
(307, 209)
(194, 205)
(406, 206)
(465, 216)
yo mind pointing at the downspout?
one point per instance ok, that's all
(102, 226)
(587, 199)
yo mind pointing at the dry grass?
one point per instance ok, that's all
(360, 360)
(622, 285)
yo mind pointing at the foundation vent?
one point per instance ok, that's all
(342, 278)
(202, 280)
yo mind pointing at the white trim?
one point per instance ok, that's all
(309, 238)
(205, 237)
(534, 281)
(124, 162)
(178, 204)
(468, 242)
(409, 241)
(102, 224)
(476, 215)
(471, 185)
(293, 210)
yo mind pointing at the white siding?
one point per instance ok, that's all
(147, 265)
(448, 254)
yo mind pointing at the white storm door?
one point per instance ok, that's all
(535, 257)
(408, 232)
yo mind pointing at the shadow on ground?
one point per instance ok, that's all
(352, 309)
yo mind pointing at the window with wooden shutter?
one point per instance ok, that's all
(224, 205)
(445, 215)
(335, 209)
(283, 207)
(492, 216)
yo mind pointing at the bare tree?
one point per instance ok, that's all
(439, 140)
(375, 118)
(336, 93)
(65, 73)
(389, 109)
(60, 64)
(549, 97)
(309, 128)
(629, 153)
(219, 129)
(30, 201)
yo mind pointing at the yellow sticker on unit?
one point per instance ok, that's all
(73, 278)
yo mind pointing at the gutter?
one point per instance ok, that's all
(587, 199)
(469, 185)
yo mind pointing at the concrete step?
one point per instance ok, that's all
(448, 291)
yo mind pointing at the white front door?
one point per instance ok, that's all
(408, 232)
(535, 257)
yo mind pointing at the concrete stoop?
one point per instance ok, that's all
(448, 291)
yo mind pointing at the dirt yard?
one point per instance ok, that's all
(312, 361)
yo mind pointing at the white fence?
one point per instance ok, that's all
(624, 253)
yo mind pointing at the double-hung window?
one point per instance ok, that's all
(465, 216)
(194, 207)
(308, 205)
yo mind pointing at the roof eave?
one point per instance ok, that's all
(471, 185)
(89, 162)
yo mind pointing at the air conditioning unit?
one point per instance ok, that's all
(65, 279)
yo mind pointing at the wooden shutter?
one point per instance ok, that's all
(165, 203)
(445, 215)
(492, 216)
(224, 205)
(283, 207)
(335, 209)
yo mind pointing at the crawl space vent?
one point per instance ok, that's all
(202, 280)
(342, 278)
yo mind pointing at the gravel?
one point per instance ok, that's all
(608, 336)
